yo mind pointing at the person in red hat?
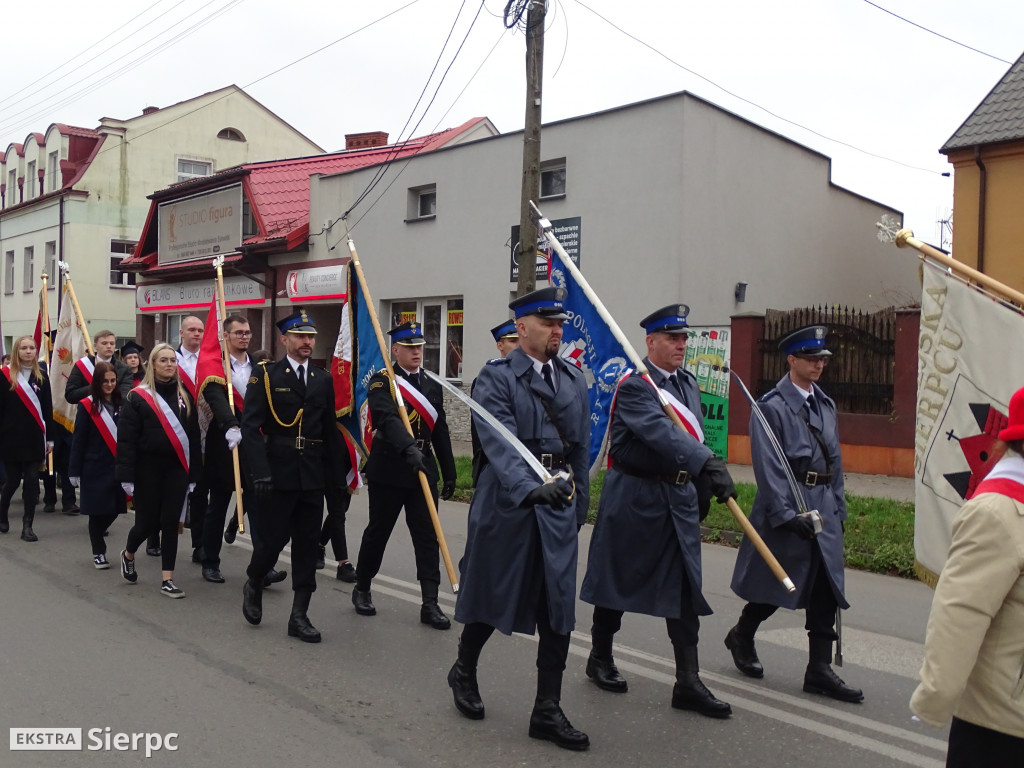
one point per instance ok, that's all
(973, 670)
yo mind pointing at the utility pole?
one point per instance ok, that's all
(531, 146)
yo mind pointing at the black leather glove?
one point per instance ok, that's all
(555, 494)
(722, 487)
(414, 457)
(800, 525)
(703, 486)
(262, 486)
(448, 489)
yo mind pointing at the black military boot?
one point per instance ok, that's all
(252, 601)
(321, 557)
(689, 691)
(548, 721)
(462, 680)
(27, 534)
(744, 655)
(430, 612)
(601, 666)
(362, 601)
(5, 523)
(298, 624)
(820, 678)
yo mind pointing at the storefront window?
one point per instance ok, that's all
(442, 331)
(454, 336)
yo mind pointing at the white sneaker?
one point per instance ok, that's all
(100, 562)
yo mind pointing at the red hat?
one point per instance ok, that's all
(1015, 427)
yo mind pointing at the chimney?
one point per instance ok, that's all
(366, 140)
(150, 110)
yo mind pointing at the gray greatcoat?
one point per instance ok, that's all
(511, 549)
(648, 530)
(785, 410)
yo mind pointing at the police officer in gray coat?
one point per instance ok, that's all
(519, 568)
(803, 419)
(645, 550)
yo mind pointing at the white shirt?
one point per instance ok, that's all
(805, 393)
(240, 373)
(296, 365)
(188, 361)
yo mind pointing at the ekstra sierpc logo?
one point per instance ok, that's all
(95, 740)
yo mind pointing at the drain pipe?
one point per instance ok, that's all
(982, 185)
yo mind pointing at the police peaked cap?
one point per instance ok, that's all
(298, 322)
(408, 334)
(808, 341)
(670, 319)
(505, 330)
(545, 302)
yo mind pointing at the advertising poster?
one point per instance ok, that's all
(707, 358)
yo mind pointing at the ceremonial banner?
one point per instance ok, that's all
(356, 358)
(970, 362)
(68, 347)
(588, 342)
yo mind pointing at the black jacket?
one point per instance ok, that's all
(78, 387)
(141, 438)
(218, 468)
(20, 438)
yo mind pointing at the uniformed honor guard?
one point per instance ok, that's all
(392, 472)
(803, 420)
(519, 568)
(645, 549)
(506, 338)
(292, 452)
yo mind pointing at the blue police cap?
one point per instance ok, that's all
(407, 334)
(506, 330)
(298, 322)
(808, 341)
(546, 302)
(670, 319)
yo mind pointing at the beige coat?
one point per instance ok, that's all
(974, 649)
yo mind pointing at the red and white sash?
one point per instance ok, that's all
(87, 367)
(690, 421)
(29, 399)
(104, 423)
(188, 381)
(418, 401)
(169, 421)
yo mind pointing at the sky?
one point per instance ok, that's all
(875, 93)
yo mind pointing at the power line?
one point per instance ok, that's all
(753, 103)
(933, 32)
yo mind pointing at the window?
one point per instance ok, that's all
(119, 251)
(12, 188)
(442, 330)
(193, 169)
(249, 227)
(51, 264)
(31, 180)
(422, 203)
(231, 134)
(54, 171)
(552, 179)
(28, 269)
(9, 272)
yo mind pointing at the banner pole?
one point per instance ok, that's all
(45, 352)
(78, 310)
(218, 264)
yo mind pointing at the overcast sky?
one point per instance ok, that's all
(840, 68)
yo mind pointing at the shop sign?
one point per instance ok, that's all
(568, 232)
(316, 283)
(238, 291)
(454, 317)
(406, 317)
(200, 226)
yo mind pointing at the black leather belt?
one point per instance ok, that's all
(817, 478)
(552, 460)
(423, 445)
(298, 441)
(682, 477)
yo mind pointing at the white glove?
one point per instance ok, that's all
(234, 437)
(49, 446)
(191, 487)
(128, 488)
(74, 481)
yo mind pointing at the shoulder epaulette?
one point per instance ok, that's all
(498, 361)
(573, 369)
(766, 397)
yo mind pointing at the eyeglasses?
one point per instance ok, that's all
(815, 360)
(242, 334)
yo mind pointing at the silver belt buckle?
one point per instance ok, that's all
(682, 477)
(300, 442)
(547, 460)
(811, 480)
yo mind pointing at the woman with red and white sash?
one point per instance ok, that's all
(91, 466)
(973, 669)
(26, 418)
(158, 461)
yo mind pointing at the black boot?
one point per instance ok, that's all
(462, 680)
(601, 666)
(252, 601)
(27, 534)
(430, 612)
(820, 678)
(689, 691)
(5, 523)
(744, 655)
(232, 530)
(321, 557)
(548, 721)
(361, 600)
(298, 624)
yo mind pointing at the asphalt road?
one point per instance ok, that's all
(80, 648)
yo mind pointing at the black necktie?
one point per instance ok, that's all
(812, 406)
(298, 372)
(548, 377)
(674, 381)
(415, 379)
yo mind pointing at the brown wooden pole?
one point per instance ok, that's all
(222, 312)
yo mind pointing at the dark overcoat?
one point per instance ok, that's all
(218, 467)
(91, 460)
(143, 447)
(513, 550)
(648, 530)
(20, 437)
(78, 388)
(271, 423)
(786, 412)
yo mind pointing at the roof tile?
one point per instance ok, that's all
(998, 118)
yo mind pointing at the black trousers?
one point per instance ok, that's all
(198, 502)
(386, 502)
(283, 515)
(98, 525)
(974, 746)
(683, 632)
(213, 526)
(61, 457)
(18, 472)
(160, 493)
(820, 620)
(338, 500)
